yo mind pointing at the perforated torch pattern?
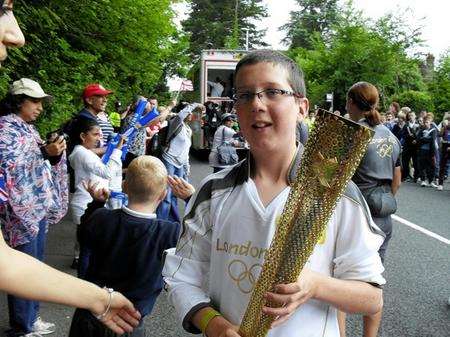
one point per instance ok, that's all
(332, 154)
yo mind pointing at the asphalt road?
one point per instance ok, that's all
(417, 270)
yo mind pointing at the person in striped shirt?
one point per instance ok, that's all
(95, 97)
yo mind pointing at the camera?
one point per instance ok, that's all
(53, 136)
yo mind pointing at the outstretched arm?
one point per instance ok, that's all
(346, 295)
(27, 277)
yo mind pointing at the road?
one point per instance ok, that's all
(417, 271)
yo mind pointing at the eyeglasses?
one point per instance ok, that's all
(266, 96)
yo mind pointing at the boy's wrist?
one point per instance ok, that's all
(216, 326)
(210, 322)
(318, 284)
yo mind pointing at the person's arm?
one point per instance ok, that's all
(216, 327)
(397, 179)
(26, 277)
(346, 295)
(100, 151)
(180, 187)
(186, 268)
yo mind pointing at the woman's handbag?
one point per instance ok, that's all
(380, 200)
(227, 154)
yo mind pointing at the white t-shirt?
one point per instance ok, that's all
(219, 257)
(178, 152)
(216, 89)
(88, 166)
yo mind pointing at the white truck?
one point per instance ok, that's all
(216, 90)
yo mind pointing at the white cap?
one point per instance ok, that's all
(28, 87)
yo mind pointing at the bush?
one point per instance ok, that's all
(416, 100)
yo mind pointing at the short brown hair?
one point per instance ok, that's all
(396, 106)
(146, 179)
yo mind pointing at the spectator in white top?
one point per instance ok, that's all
(175, 156)
(216, 87)
(223, 134)
(87, 166)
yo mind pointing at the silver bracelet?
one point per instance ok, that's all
(108, 307)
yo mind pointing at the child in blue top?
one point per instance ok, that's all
(127, 244)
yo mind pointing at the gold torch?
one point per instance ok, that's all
(332, 154)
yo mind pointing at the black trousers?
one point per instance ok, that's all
(408, 155)
(426, 165)
(84, 324)
(445, 155)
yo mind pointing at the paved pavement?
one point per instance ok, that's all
(417, 270)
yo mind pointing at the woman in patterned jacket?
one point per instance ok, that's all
(35, 184)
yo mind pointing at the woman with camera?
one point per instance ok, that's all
(34, 174)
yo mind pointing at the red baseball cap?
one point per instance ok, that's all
(95, 89)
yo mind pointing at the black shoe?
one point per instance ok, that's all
(74, 264)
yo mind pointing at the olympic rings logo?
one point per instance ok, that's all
(244, 277)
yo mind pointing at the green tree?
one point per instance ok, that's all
(213, 24)
(440, 86)
(122, 43)
(313, 17)
(416, 100)
(357, 51)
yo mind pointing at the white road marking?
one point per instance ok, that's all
(421, 229)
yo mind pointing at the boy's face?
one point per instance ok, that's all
(389, 117)
(268, 124)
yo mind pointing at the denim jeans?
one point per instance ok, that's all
(168, 208)
(23, 313)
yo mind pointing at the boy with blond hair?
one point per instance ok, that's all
(127, 244)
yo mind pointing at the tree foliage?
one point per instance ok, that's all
(440, 86)
(356, 50)
(314, 17)
(129, 46)
(416, 100)
(212, 25)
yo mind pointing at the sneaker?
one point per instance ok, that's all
(433, 184)
(440, 187)
(43, 328)
(424, 184)
(74, 264)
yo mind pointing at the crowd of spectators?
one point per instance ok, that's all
(425, 144)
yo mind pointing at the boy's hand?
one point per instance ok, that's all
(288, 297)
(230, 332)
(98, 194)
(180, 187)
(220, 327)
